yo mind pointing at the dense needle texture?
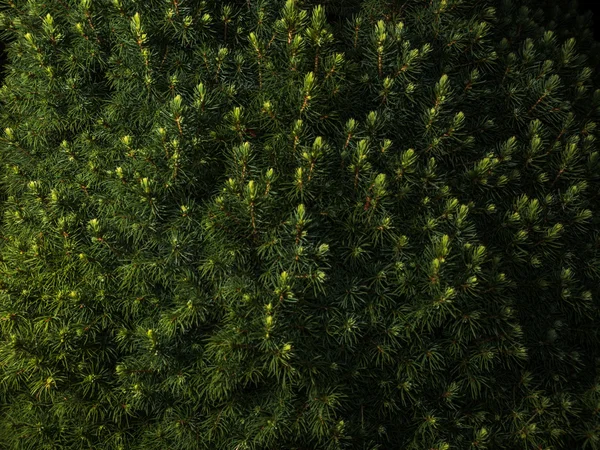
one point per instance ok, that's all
(286, 225)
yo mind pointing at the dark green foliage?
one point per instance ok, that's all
(275, 225)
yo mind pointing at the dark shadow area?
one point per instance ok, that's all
(594, 7)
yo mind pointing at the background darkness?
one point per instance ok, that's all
(594, 7)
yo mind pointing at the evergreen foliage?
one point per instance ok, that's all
(269, 224)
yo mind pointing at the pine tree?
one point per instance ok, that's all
(278, 225)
